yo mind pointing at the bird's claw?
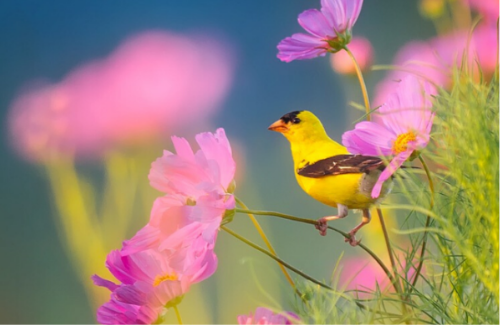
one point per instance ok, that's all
(352, 240)
(321, 225)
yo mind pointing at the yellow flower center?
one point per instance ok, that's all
(165, 277)
(190, 201)
(401, 143)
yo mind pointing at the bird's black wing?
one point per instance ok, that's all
(341, 164)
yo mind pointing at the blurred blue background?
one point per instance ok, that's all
(48, 39)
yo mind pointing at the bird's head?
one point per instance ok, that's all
(299, 126)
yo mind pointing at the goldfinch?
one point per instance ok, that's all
(326, 171)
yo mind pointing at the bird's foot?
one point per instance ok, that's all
(352, 239)
(322, 226)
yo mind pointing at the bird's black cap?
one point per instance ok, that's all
(291, 117)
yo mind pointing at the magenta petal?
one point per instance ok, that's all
(123, 267)
(300, 47)
(116, 312)
(98, 281)
(395, 163)
(353, 8)
(369, 138)
(315, 23)
(146, 238)
(341, 14)
(129, 294)
(408, 107)
(334, 11)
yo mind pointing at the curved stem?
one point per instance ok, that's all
(427, 222)
(361, 82)
(397, 284)
(312, 222)
(178, 314)
(274, 257)
(269, 246)
(293, 269)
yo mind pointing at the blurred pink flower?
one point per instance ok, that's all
(362, 50)
(434, 60)
(265, 316)
(402, 126)
(142, 91)
(362, 275)
(329, 30)
(150, 281)
(489, 9)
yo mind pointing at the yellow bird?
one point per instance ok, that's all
(328, 172)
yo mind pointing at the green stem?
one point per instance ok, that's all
(397, 284)
(269, 246)
(361, 82)
(178, 314)
(293, 269)
(427, 222)
(312, 222)
(274, 257)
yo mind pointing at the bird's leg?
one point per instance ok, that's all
(366, 219)
(321, 224)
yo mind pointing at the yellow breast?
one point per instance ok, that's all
(351, 190)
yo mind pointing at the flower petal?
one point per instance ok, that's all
(98, 281)
(408, 107)
(300, 47)
(216, 147)
(369, 138)
(353, 8)
(314, 22)
(341, 14)
(129, 294)
(334, 11)
(395, 163)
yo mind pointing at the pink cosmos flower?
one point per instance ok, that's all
(140, 92)
(402, 126)
(198, 189)
(150, 281)
(266, 316)
(362, 50)
(329, 30)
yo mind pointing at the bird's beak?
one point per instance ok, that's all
(278, 126)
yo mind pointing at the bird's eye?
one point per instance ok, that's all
(295, 120)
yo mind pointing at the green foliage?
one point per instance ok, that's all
(459, 282)
(465, 285)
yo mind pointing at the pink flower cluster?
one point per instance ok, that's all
(141, 91)
(174, 250)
